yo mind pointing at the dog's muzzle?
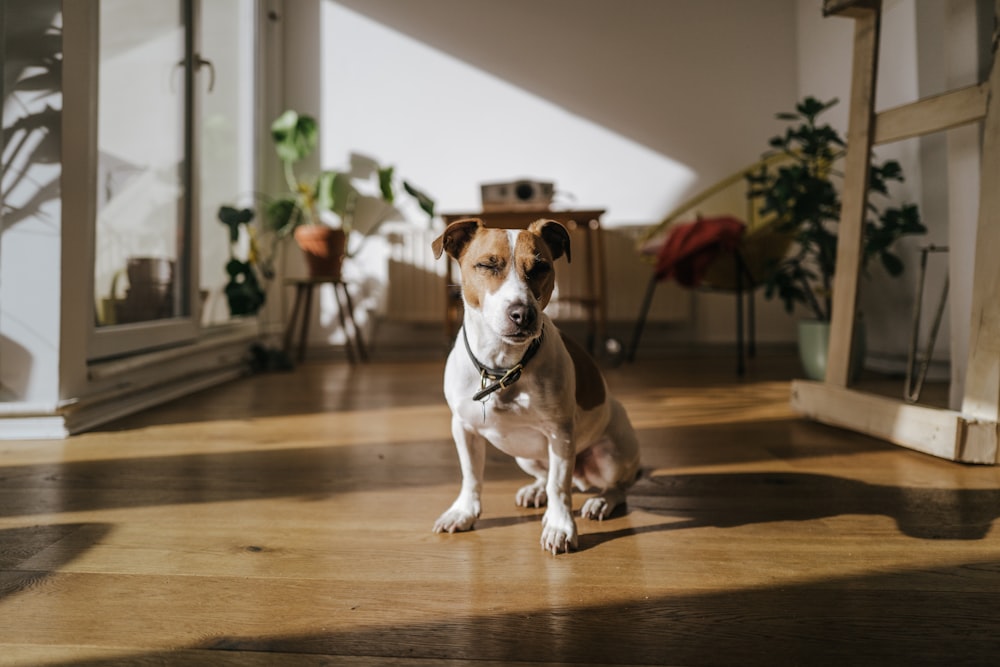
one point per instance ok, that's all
(523, 321)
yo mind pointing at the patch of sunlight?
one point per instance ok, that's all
(695, 406)
(296, 431)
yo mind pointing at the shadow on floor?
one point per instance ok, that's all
(913, 617)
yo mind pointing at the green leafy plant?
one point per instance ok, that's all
(245, 290)
(358, 201)
(333, 197)
(795, 185)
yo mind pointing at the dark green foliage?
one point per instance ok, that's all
(233, 218)
(278, 214)
(244, 291)
(426, 203)
(801, 195)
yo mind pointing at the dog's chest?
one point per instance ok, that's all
(512, 405)
(513, 420)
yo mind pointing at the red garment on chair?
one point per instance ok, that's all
(691, 247)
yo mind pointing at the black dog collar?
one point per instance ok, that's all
(495, 379)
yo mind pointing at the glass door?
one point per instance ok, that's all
(225, 112)
(142, 268)
(176, 81)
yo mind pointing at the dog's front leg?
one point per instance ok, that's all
(472, 456)
(558, 527)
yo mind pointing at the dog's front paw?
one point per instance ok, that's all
(455, 520)
(558, 532)
(532, 495)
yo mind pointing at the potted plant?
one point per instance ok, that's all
(245, 291)
(798, 190)
(323, 214)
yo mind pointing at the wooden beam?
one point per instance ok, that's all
(982, 381)
(852, 215)
(932, 114)
(943, 433)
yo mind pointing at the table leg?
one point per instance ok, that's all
(290, 327)
(358, 340)
(740, 359)
(304, 333)
(343, 323)
(602, 283)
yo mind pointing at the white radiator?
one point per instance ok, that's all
(417, 280)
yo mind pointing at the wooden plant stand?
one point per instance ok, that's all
(970, 435)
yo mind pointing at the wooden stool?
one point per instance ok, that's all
(345, 308)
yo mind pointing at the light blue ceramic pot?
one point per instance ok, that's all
(814, 343)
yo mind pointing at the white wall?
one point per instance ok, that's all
(629, 109)
(626, 110)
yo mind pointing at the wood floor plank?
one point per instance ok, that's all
(206, 533)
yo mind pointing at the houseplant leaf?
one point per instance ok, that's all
(385, 184)
(282, 215)
(425, 202)
(335, 192)
(233, 218)
(295, 136)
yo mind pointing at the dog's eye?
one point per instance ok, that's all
(489, 267)
(538, 270)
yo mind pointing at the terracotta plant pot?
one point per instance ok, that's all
(324, 249)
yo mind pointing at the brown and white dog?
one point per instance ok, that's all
(514, 381)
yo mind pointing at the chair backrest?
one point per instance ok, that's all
(763, 245)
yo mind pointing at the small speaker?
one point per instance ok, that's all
(521, 195)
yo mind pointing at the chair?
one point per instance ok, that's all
(722, 253)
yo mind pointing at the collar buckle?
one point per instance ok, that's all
(503, 377)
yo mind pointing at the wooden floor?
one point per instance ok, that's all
(286, 519)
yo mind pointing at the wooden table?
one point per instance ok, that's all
(345, 308)
(586, 222)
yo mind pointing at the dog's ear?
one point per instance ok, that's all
(555, 236)
(455, 237)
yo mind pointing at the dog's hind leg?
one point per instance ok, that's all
(603, 504)
(533, 495)
(610, 465)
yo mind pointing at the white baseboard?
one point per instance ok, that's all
(33, 428)
(126, 386)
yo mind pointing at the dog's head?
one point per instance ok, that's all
(507, 274)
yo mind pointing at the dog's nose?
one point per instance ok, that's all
(521, 315)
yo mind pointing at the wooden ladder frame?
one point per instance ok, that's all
(972, 434)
